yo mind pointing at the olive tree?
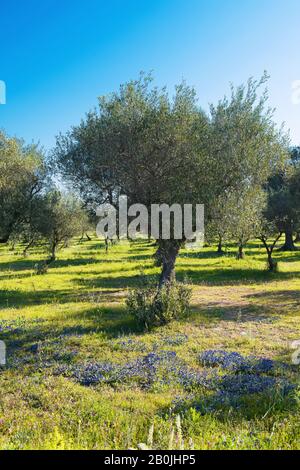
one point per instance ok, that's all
(295, 156)
(142, 144)
(295, 159)
(236, 217)
(283, 204)
(155, 149)
(58, 218)
(248, 207)
(269, 236)
(22, 177)
(219, 225)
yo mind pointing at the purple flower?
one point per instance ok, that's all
(235, 362)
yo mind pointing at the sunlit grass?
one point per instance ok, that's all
(77, 311)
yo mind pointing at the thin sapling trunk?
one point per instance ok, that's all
(272, 264)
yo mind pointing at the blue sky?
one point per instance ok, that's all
(57, 57)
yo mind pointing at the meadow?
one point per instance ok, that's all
(81, 374)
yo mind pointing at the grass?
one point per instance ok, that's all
(76, 315)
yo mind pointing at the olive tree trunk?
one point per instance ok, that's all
(272, 264)
(289, 242)
(166, 255)
(240, 254)
(28, 247)
(220, 246)
(53, 253)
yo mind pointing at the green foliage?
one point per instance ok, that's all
(22, 177)
(237, 215)
(139, 142)
(247, 145)
(155, 149)
(295, 156)
(58, 218)
(156, 308)
(272, 267)
(283, 208)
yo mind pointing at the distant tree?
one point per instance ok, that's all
(269, 236)
(246, 216)
(87, 225)
(244, 139)
(58, 219)
(295, 157)
(284, 204)
(33, 229)
(236, 216)
(22, 177)
(219, 226)
(155, 150)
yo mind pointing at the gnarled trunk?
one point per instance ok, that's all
(28, 247)
(272, 265)
(240, 254)
(167, 253)
(289, 242)
(220, 246)
(53, 254)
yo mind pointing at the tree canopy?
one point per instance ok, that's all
(22, 176)
(155, 149)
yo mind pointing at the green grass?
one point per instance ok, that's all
(77, 312)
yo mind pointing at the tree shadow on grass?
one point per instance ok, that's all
(18, 298)
(212, 314)
(198, 255)
(111, 322)
(287, 298)
(135, 257)
(18, 265)
(213, 277)
(9, 276)
(231, 276)
(119, 282)
(26, 265)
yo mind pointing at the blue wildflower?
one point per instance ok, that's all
(233, 361)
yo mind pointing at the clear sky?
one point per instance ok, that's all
(57, 57)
